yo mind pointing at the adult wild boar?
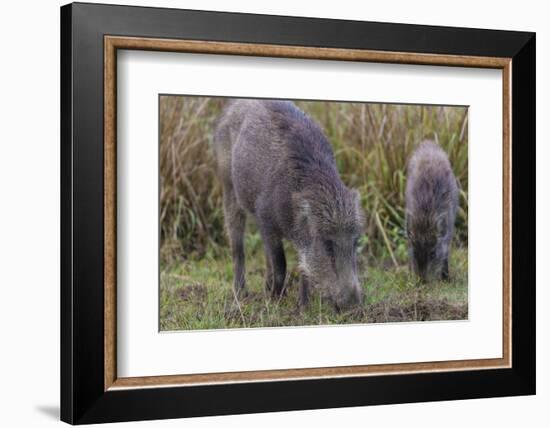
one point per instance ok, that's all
(431, 205)
(275, 164)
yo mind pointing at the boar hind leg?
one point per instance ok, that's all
(235, 222)
(304, 291)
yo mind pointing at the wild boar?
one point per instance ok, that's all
(431, 205)
(275, 164)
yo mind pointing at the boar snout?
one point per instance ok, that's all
(420, 267)
(425, 266)
(349, 297)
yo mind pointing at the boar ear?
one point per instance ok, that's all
(301, 208)
(358, 210)
(409, 229)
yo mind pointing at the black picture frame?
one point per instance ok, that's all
(83, 399)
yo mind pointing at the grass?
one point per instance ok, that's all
(372, 144)
(197, 294)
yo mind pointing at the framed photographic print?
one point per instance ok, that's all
(265, 213)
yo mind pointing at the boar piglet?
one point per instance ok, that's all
(431, 205)
(276, 165)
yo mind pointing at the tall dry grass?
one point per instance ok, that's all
(191, 216)
(372, 143)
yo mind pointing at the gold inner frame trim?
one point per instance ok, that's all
(113, 43)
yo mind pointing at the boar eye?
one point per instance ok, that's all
(329, 246)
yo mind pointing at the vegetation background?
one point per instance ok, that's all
(372, 144)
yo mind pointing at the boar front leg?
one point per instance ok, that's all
(235, 222)
(275, 260)
(268, 272)
(445, 269)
